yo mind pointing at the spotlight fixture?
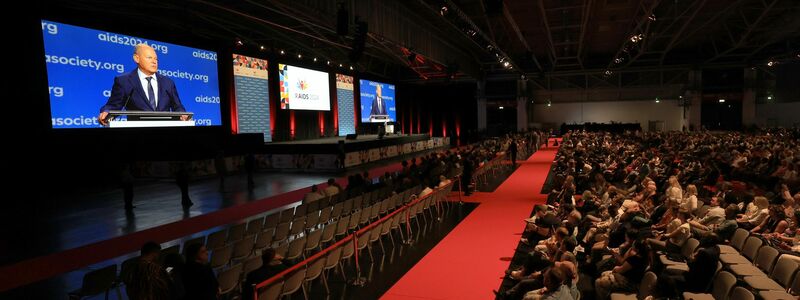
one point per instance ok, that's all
(340, 65)
(315, 59)
(548, 104)
(299, 55)
(771, 63)
(769, 97)
(328, 62)
(721, 100)
(680, 97)
(262, 47)
(282, 52)
(608, 72)
(351, 68)
(658, 100)
(239, 42)
(505, 64)
(501, 107)
(443, 11)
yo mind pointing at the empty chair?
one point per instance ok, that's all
(236, 232)
(347, 252)
(96, 282)
(301, 210)
(229, 279)
(792, 294)
(386, 229)
(221, 256)
(298, 226)
(216, 239)
(263, 239)
(296, 247)
(331, 261)
(312, 240)
(251, 264)
(272, 292)
(312, 220)
(347, 206)
(341, 226)
(737, 242)
(720, 288)
(281, 232)
(313, 272)
(242, 248)
(763, 263)
(293, 282)
(255, 226)
(287, 215)
(749, 251)
(779, 278)
(336, 213)
(646, 287)
(272, 220)
(328, 232)
(324, 215)
(740, 293)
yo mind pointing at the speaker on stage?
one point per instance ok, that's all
(352, 136)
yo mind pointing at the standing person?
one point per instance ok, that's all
(126, 179)
(250, 168)
(182, 180)
(221, 168)
(512, 150)
(148, 280)
(143, 89)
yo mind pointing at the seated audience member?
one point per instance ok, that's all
(198, 277)
(148, 280)
(725, 229)
(314, 195)
(713, 217)
(271, 265)
(774, 223)
(755, 213)
(333, 188)
(625, 277)
(443, 181)
(678, 231)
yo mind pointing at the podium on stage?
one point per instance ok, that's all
(379, 118)
(140, 118)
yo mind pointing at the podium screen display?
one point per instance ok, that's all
(303, 88)
(92, 70)
(377, 102)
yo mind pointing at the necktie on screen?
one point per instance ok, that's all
(380, 106)
(151, 95)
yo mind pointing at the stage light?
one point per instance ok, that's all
(721, 100)
(501, 107)
(340, 65)
(511, 67)
(769, 97)
(505, 64)
(771, 63)
(680, 97)
(315, 59)
(262, 47)
(658, 100)
(548, 104)
(351, 68)
(328, 62)
(443, 11)
(239, 42)
(299, 55)
(282, 52)
(652, 17)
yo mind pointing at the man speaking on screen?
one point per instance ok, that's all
(143, 89)
(378, 105)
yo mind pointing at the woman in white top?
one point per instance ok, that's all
(689, 202)
(674, 191)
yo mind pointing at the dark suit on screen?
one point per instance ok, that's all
(128, 88)
(378, 109)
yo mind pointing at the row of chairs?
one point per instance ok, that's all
(337, 255)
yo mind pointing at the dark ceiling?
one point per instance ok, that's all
(418, 39)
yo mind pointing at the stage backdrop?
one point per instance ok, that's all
(82, 64)
(250, 77)
(344, 97)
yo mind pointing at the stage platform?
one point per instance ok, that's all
(327, 154)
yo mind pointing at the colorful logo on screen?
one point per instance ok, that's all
(302, 85)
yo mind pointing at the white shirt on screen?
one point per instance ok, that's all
(154, 82)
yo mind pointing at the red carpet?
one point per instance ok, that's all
(467, 263)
